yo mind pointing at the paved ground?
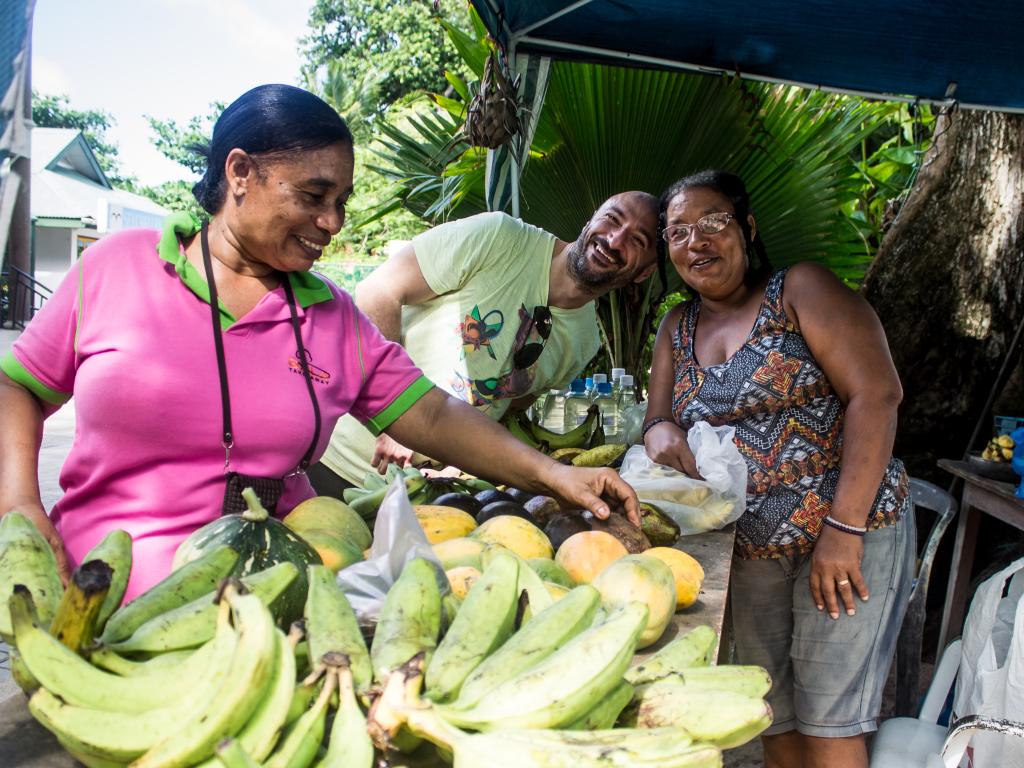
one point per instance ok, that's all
(58, 433)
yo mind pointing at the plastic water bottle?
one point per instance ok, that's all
(536, 411)
(588, 387)
(609, 406)
(576, 404)
(616, 375)
(599, 378)
(627, 392)
(554, 411)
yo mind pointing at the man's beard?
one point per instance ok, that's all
(583, 274)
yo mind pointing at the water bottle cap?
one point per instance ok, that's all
(617, 372)
(589, 383)
(626, 380)
(577, 385)
(604, 388)
(600, 378)
(554, 391)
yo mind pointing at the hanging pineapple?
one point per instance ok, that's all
(492, 119)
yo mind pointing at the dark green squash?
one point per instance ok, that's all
(261, 541)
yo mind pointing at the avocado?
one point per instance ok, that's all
(496, 508)
(563, 525)
(462, 501)
(491, 495)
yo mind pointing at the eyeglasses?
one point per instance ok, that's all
(712, 224)
(528, 354)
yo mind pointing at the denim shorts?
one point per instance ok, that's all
(827, 674)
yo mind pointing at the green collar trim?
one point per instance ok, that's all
(307, 287)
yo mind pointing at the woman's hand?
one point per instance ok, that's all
(598, 490)
(666, 444)
(42, 521)
(835, 570)
(390, 451)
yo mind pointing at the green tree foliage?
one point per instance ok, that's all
(50, 111)
(402, 40)
(175, 141)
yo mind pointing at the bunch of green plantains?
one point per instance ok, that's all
(197, 672)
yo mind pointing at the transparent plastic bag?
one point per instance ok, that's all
(632, 418)
(695, 505)
(397, 539)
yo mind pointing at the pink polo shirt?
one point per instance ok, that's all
(128, 334)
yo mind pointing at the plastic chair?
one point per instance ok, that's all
(908, 646)
(902, 742)
(959, 736)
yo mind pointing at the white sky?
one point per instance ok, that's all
(164, 58)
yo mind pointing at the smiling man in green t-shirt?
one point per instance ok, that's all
(496, 311)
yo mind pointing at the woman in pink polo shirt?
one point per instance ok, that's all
(203, 359)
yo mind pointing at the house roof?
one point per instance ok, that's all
(68, 183)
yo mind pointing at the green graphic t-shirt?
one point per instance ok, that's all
(488, 337)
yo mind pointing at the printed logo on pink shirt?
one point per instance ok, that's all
(319, 375)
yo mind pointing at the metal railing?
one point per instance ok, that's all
(21, 296)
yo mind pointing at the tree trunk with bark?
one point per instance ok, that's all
(948, 285)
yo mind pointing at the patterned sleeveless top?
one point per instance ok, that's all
(789, 429)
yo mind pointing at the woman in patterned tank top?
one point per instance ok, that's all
(799, 365)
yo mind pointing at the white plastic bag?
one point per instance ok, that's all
(695, 505)
(991, 677)
(397, 539)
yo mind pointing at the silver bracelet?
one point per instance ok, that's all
(855, 530)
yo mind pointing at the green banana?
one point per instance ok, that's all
(164, 663)
(76, 619)
(115, 549)
(410, 619)
(300, 743)
(476, 484)
(538, 596)
(192, 624)
(366, 505)
(26, 558)
(576, 437)
(392, 472)
(484, 621)
(331, 625)
(600, 456)
(351, 494)
(192, 580)
(562, 687)
(228, 709)
(735, 678)
(122, 737)
(547, 748)
(520, 431)
(303, 696)
(259, 735)
(694, 649)
(231, 754)
(546, 632)
(722, 718)
(373, 480)
(605, 712)
(349, 745)
(66, 674)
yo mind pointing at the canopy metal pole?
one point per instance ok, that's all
(568, 9)
(515, 158)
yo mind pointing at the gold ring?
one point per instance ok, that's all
(843, 583)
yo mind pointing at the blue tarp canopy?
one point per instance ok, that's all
(931, 50)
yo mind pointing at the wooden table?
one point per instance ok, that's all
(26, 744)
(980, 495)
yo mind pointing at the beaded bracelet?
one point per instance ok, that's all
(854, 530)
(651, 423)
